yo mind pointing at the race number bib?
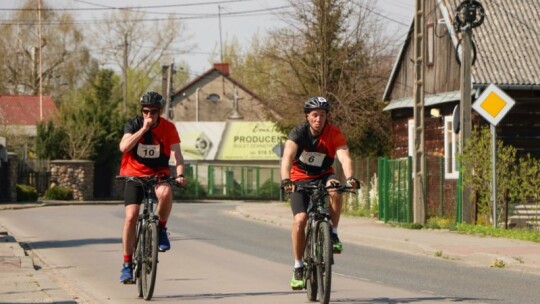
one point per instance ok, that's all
(312, 158)
(148, 151)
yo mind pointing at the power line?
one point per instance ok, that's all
(105, 7)
(249, 13)
(383, 16)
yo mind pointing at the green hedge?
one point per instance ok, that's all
(26, 193)
(59, 193)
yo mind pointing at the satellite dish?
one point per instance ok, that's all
(456, 119)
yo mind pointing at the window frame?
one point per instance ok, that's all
(410, 132)
(452, 172)
(430, 45)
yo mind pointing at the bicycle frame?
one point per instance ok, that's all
(146, 235)
(318, 254)
(147, 215)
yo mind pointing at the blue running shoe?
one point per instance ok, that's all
(126, 274)
(164, 243)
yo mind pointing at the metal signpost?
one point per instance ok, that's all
(493, 104)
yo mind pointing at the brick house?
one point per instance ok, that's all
(507, 55)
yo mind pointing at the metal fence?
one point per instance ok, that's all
(35, 173)
(441, 194)
(395, 189)
(231, 182)
(258, 182)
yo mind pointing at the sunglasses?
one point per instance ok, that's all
(153, 112)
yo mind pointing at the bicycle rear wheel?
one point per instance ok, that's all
(310, 274)
(324, 261)
(150, 260)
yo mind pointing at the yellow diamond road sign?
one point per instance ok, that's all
(493, 104)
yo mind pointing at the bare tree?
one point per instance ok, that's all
(334, 48)
(137, 45)
(331, 48)
(65, 62)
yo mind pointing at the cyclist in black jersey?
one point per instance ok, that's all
(309, 154)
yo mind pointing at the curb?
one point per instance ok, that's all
(433, 244)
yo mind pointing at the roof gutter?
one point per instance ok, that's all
(515, 87)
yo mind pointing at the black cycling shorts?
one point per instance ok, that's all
(300, 201)
(133, 193)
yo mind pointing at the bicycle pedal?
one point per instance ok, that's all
(297, 288)
(129, 282)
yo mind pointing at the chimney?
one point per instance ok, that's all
(222, 67)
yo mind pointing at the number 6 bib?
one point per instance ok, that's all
(312, 158)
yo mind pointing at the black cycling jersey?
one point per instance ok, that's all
(306, 142)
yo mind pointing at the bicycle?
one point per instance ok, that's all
(318, 251)
(145, 257)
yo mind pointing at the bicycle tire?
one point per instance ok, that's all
(324, 261)
(150, 260)
(310, 274)
(138, 258)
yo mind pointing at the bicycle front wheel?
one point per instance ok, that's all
(324, 261)
(310, 273)
(138, 257)
(150, 260)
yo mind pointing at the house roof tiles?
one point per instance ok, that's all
(507, 42)
(24, 110)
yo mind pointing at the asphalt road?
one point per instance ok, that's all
(220, 257)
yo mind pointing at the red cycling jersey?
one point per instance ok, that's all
(152, 153)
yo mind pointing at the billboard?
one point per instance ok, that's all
(231, 140)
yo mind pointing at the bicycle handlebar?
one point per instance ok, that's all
(309, 188)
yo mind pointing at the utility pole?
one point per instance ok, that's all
(465, 114)
(419, 206)
(220, 39)
(466, 19)
(169, 92)
(40, 64)
(125, 70)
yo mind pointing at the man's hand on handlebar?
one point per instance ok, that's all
(181, 180)
(353, 183)
(287, 185)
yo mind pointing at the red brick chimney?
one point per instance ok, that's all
(222, 67)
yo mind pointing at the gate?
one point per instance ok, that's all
(4, 181)
(35, 173)
(395, 190)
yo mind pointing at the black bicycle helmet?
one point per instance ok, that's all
(152, 99)
(315, 103)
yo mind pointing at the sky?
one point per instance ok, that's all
(211, 21)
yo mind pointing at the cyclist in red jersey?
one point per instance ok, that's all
(309, 154)
(148, 143)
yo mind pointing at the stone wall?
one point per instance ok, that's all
(77, 175)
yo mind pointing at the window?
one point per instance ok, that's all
(451, 146)
(430, 47)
